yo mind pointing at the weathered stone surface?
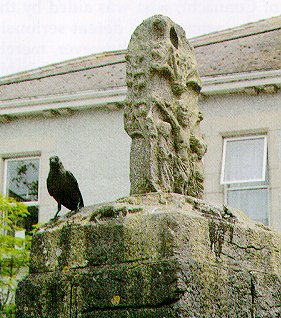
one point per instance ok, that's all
(154, 255)
(161, 113)
(125, 286)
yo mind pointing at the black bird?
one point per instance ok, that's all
(63, 186)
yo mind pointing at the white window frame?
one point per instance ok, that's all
(222, 181)
(17, 158)
(21, 234)
(231, 185)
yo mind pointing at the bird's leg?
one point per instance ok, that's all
(59, 208)
(78, 206)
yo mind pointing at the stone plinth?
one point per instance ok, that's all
(155, 255)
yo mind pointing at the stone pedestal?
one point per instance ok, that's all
(156, 255)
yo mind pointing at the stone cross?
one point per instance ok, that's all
(161, 113)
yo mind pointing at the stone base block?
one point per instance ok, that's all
(157, 255)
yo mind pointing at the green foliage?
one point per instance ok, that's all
(14, 251)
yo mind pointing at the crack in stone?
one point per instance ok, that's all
(165, 303)
(73, 311)
(248, 247)
(253, 295)
(227, 255)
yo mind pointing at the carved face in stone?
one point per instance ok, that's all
(158, 28)
(161, 30)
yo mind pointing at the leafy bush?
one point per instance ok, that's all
(14, 252)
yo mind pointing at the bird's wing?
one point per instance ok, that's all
(71, 179)
(74, 184)
(50, 186)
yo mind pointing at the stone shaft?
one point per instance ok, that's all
(161, 113)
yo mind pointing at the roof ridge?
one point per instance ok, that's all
(235, 37)
(243, 30)
(107, 58)
(57, 65)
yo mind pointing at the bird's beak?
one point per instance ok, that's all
(54, 160)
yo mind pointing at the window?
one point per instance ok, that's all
(22, 183)
(244, 174)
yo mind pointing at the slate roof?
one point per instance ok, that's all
(95, 72)
(248, 48)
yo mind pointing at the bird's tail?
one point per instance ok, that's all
(81, 203)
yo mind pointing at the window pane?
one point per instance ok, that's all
(254, 202)
(244, 160)
(22, 179)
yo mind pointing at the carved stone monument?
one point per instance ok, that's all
(156, 255)
(161, 114)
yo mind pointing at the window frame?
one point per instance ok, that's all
(17, 158)
(27, 203)
(244, 185)
(264, 166)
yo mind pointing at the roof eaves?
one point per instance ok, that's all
(262, 82)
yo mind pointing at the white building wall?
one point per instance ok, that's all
(91, 144)
(94, 146)
(237, 115)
